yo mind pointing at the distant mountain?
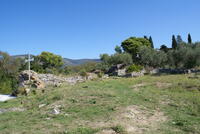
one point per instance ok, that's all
(23, 56)
(75, 62)
(67, 61)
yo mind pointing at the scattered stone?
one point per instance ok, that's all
(48, 118)
(66, 114)
(14, 109)
(154, 71)
(138, 120)
(34, 80)
(91, 76)
(27, 90)
(55, 111)
(135, 74)
(39, 81)
(41, 105)
(107, 131)
(106, 76)
(117, 70)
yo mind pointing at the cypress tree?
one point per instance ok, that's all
(189, 39)
(174, 43)
(151, 41)
(146, 37)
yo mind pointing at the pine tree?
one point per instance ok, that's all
(189, 39)
(174, 43)
(151, 41)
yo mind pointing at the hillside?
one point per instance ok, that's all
(74, 62)
(67, 61)
(146, 105)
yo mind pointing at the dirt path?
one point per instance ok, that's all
(139, 120)
(134, 120)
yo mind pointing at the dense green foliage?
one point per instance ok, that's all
(118, 49)
(86, 67)
(174, 42)
(134, 68)
(132, 45)
(152, 58)
(164, 48)
(110, 60)
(9, 68)
(47, 62)
(185, 56)
(151, 41)
(179, 40)
(182, 55)
(189, 39)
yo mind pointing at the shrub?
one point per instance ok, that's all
(119, 129)
(83, 73)
(110, 60)
(134, 68)
(100, 74)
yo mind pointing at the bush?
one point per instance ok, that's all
(123, 58)
(110, 60)
(83, 73)
(119, 129)
(100, 74)
(134, 68)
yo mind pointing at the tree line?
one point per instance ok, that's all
(141, 51)
(135, 52)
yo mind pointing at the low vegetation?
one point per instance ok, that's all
(151, 104)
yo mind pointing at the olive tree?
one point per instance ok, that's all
(151, 57)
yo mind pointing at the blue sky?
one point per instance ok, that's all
(86, 28)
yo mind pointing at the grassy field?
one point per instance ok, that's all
(168, 104)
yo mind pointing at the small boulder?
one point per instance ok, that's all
(56, 111)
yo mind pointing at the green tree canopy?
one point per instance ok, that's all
(151, 57)
(151, 41)
(132, 45)
(174, 42)
(118, 49)
(50, 60)
(164, 48)
(189, 39)
(47, 61)
(179, 40)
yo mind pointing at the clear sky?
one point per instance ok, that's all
(87, 28)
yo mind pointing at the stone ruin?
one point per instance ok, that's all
(40, 81)
(121, 71)
(34, 80)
